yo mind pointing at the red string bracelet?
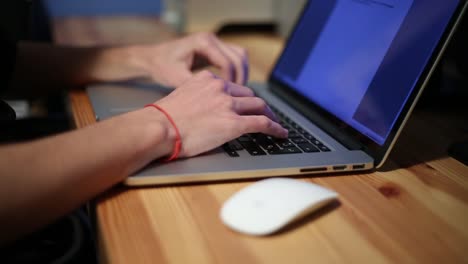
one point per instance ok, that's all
(178, 142)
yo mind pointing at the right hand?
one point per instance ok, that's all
(172, 63)
(210, 111)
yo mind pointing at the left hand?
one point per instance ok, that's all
(171, 63)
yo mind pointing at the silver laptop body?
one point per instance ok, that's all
(346, 148)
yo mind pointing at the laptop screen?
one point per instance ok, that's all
(360, 59)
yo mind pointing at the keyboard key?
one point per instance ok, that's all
(290, 150)
(307, 147)
(316, 142)
(235, 145)
(261, 139)
(323, 148)
(293, 150)
(293, 134)
(249, 145)
(270, 147)
(285, 144)
(299, 140)
(301, 130)
(265, 142)
(308, 136)
(294, 125)
(256, 152)
(230, 151)
(244, 138)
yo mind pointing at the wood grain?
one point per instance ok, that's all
(414, 210)
(78, 99)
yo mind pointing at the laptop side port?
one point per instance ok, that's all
(359, 166)
(318, 169)
(339, 167)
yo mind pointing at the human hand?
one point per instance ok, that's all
(171, 63)
(209, 111)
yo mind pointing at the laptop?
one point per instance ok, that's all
(344, 85)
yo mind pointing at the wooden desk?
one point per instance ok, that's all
(415, 210)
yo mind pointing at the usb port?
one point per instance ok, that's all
(359, 166)
(341, 167)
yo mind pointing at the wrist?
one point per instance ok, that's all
(136, 57)
(178, 140)
(162, 131)
(122, 63)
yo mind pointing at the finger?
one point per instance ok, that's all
(245, 61)
(204, 75)
(239, 90)
(208, 48)
(262, 124)
(236, 59)
(253, 106)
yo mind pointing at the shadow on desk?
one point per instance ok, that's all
(430, 131)
(308, 218)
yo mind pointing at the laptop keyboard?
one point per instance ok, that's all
(298, 141)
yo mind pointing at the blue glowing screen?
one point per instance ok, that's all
(360, 59)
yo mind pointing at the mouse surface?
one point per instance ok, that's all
(268, 205)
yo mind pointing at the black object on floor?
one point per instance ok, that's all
(31, 128)
(459, 151)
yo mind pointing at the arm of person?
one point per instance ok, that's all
(44, 179)
(41, 68)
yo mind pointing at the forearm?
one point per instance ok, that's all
(42, 68)
(48, 178)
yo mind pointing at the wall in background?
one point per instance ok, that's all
(286, 14)
(188, 15)
(61, 8)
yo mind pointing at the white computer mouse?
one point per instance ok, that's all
(268, 205)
